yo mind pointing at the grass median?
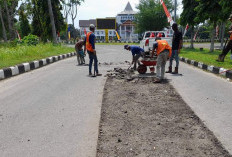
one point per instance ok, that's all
(206, 57)
(10, 56)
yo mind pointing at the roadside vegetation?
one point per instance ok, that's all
(12, 55)
(206, 57)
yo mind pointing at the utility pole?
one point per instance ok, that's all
(175, 11)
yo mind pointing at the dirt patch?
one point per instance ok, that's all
(143, 119)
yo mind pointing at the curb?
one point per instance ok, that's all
(25, 67)
(210, 68)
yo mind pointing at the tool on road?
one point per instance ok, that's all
(128, 73)
(94, 70)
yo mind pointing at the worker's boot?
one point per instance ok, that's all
(169, 69)
(221, 58)
(176, 71)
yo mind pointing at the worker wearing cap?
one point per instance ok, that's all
(228, 47)
(137, 52)
(90, 46)
(163, 51)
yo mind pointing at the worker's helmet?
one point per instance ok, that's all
(126, 47)
(91, 26)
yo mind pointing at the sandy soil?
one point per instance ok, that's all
(143, 119)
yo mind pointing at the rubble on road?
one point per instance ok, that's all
(121, 74)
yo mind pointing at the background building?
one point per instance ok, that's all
(125, 23)
(124, 20)
(100, 34)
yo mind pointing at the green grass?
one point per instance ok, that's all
(206, 57)
(117, 43)
(10, 56)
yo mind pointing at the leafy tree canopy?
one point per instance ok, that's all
(151, 15)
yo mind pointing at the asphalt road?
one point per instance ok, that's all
(55, 110)
(210, 98)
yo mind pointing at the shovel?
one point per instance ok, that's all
(94, 71)
(128, 74)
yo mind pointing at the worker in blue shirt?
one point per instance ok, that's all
(137, 52)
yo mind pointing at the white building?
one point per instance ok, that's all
(125, 23)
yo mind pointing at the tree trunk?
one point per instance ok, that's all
(212, 38)
(192, 36)
(222, 34)
(52, 22)
(3, 26)
(11, 13)
(9, 20)
(73, 22)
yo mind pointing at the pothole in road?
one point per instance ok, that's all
(145, 119)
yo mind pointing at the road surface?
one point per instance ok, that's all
(210, 98)
(55, 110)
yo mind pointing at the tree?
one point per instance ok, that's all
(226, 8)
(212, 10)
(66, 9)
(52, 22)
(188, 15)
(73, 5)
(3, 25)
(151, 15)
(24, 23)
(10, 7)
(226, 11)
(70, 7)
(41, 23)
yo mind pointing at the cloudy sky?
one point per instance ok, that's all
(92, 9)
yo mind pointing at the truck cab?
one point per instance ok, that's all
(149, 39)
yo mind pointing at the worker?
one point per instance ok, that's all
(228, 47)
(137, 52)
(177, 42)
(80, 52)
(90, 46)
(163, 51)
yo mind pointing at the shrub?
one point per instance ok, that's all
(30, 40)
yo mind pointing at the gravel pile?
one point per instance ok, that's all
(120, 74)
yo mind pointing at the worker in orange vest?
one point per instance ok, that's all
(90, 46)
(163, 51)
(228, 47)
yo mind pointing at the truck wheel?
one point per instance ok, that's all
(142, 69)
